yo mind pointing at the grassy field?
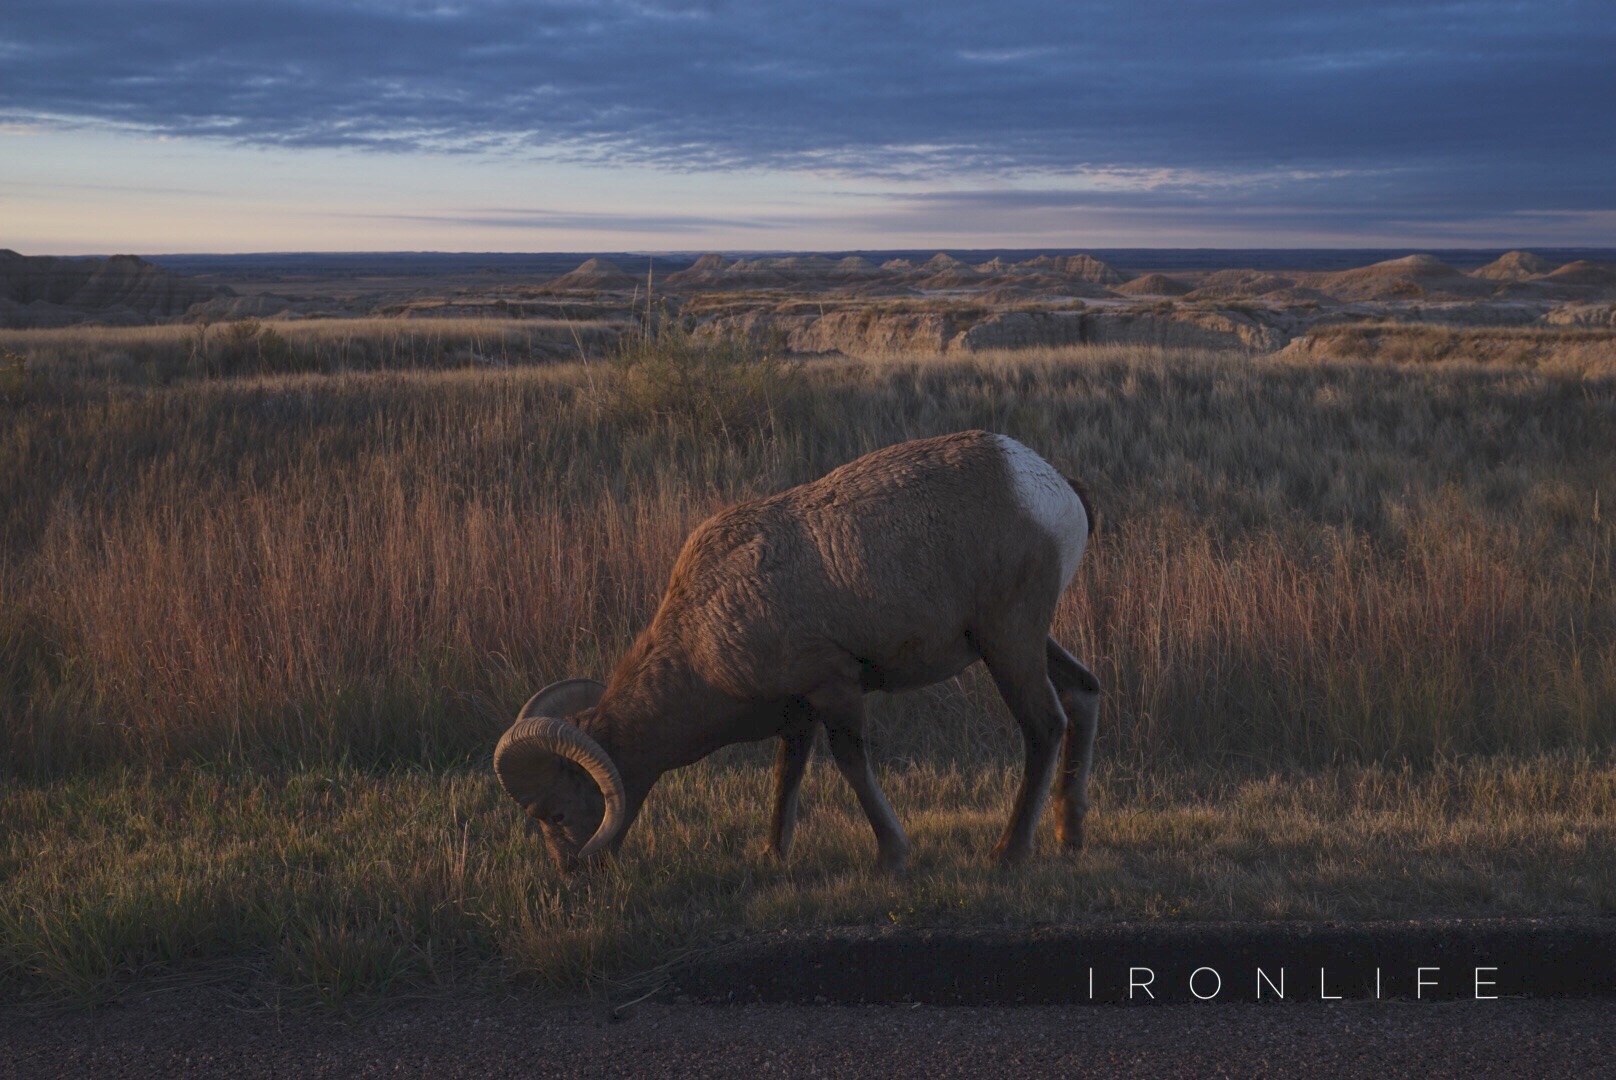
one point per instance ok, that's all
(155, 355)
(1577, 351)
(258, 636)
(329, 885)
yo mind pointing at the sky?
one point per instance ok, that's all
(167, 126)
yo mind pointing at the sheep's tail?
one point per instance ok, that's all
(1088, 505)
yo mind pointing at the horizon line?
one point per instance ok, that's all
(682, 252)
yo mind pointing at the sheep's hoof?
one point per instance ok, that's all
(1007, 855)
(893, 863)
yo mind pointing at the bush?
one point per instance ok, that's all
(15, 378)
(730, 388)
(246, 347)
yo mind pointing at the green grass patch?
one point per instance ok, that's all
(327, 886)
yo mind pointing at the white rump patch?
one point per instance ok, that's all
(1050, 501)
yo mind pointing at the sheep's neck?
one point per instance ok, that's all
(656, 717)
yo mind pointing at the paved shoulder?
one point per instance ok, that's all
(193, 1036)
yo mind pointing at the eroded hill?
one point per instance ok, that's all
(855, 305)
(123, 290)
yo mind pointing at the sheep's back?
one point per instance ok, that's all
(889, 560)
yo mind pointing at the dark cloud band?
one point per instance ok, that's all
(1472, 106)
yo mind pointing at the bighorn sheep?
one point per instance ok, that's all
(895, 571)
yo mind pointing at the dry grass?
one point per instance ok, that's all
(1300, 563)
(326, 885)
(1566, 350)
(725, 391)
(239, 618)
(163, 354)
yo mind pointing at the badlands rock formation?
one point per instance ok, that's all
(595, 275)
(945, 304)
(1153, 285)
(916, 305)
(43, 290)
(1514, 266)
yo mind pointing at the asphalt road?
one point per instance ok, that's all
(195, 1033)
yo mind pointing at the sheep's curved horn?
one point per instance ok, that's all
(564, 698)
(532, 736)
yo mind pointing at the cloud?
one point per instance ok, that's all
(1462, 107)
(1236, 223)
(572, 221)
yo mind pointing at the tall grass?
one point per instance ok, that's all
(258, 635)
(1300, 562)
(1574, 350)
(174, 351)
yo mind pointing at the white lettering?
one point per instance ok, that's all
(1262, 977)
(1217, 987)
(1323, 996)
(1480, 982)
(1145, 986)
(1419, 981)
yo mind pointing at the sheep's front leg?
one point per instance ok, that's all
(796, 746)
(1079, 693)
(841, 709)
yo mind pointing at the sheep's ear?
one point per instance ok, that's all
(562, 699)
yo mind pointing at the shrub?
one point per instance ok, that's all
(246, 347)
(15, 378)
(729, 388)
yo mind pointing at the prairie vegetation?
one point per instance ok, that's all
(258, 636)
(174, 351)
(334, 883)
(1575, 351)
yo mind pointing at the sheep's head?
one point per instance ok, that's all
(565, 783)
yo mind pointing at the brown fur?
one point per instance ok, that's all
(895, 571)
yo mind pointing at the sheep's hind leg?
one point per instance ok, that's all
(1079, 693)
(796, 746)
(1020, 671)
(842, 712)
